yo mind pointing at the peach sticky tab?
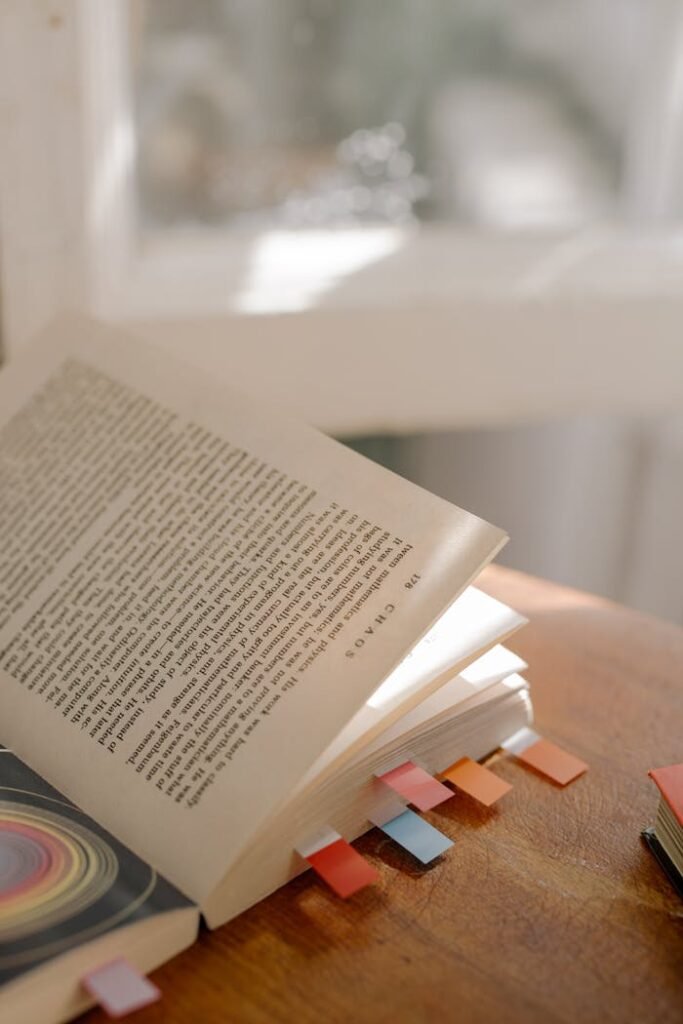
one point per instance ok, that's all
(416, 786)
(343, 868)
(552, 761)
(476, 781)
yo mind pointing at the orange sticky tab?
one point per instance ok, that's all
(343, 868)
(552, 761)
(476, 781)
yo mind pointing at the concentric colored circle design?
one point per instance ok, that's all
(51, 869)
(64, 880)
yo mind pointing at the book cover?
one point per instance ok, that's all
(64, 880)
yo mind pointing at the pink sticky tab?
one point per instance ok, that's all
(119, 988)
(417, 786)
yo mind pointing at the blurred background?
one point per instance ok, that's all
(534, 148)
(499, 114)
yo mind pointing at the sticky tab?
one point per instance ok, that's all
(416, 786)
(386, 805)
(552, 761)
(477, 781)
(317, 841)
(119, 988)
(520, 740)
(342, 867)
(417, 836)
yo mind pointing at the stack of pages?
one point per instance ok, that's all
(666, 838)
(217, 629)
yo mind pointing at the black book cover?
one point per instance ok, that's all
(665, 862)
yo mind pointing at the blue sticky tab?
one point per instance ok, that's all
(417, 836)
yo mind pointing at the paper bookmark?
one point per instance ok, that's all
(119, 988)
(338, 864)
(416, 786)
(416, 836)
(544, 756)
(475, 780)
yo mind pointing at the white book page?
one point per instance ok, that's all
(196, 593)
(495, 665)
(470, 626)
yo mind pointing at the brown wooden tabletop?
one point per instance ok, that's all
(549, 909)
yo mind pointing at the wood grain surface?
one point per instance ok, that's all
(548, 909)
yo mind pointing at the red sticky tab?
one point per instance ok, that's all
(417, 786)
(552, 761)
(343, 868)
(119, 988)
(475, 780)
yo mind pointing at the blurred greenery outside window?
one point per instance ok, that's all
(495, 114)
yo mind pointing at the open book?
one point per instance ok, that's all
(217, 627)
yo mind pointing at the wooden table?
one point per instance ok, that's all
(549, 909)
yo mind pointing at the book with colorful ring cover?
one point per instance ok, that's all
(218, 629)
